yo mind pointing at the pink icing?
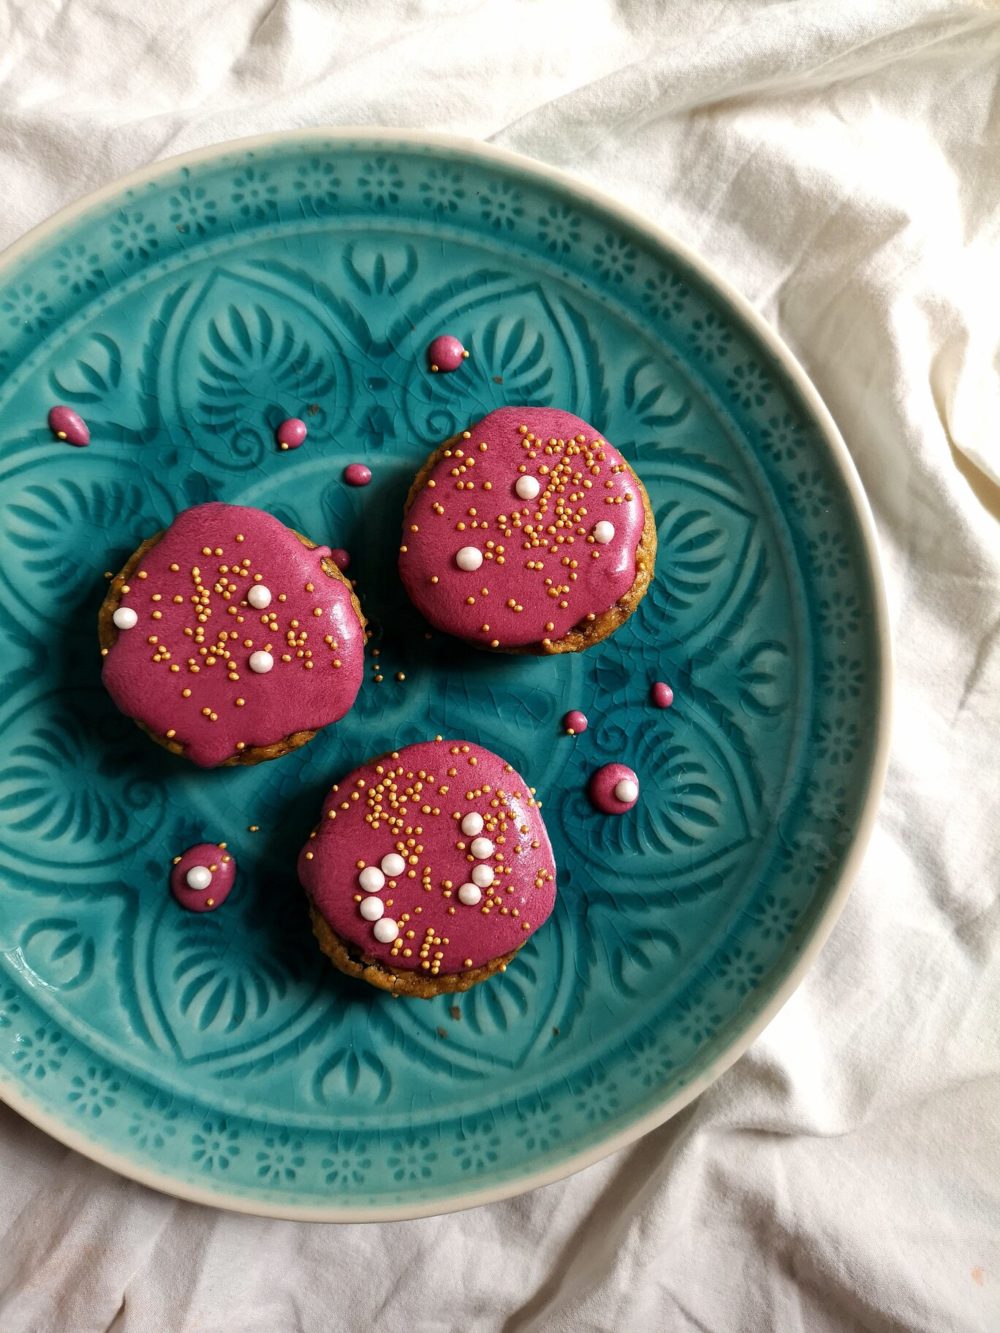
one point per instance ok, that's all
(214, 857)
(356, 474)
(601, 788)
(341, 558)
(575, 722)
(661, 694)
(291, 433)
(445, 353)
(68, 425)
(533, 593)
(315, 623)
(437, 783)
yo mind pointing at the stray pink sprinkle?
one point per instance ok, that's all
(340, 558)
(291, 433)
(575, 722)
(445, 353)
(65, 424)
(356, 474)
(661, 694)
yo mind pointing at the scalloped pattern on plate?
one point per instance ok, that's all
(185, 318)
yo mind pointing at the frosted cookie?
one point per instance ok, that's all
(429, 869)
(527, 533)
(231, 639)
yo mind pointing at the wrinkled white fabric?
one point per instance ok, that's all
(840, 164)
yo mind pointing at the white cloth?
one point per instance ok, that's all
(839, 162)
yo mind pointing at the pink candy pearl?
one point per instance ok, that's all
(575, 722)
(68, 425)
(445, 353)
(661, 694)
(356, 474)
(340, 558)
(291, 433)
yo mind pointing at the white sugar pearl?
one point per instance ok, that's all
(372, 908)
(259, 597)
(527, 487)
(483, 876)
(385, 931)
(481, 848)
(371, 879)
(469, 895)
(261, 662)
(125, 618)
(604, 531)
(393, 864)
(472, 824)
(626, 791)
(198, 877)
(469, 558)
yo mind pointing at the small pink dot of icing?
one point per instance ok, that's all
(662, 695)
(575, 722)
(357, 474)
(291, 433)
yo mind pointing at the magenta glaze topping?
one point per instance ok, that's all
(412, 804)
(661, 694)
(575, 722)
(291, 433)
(445, 353)
(601, 788)
(356, 474)
(214, 858)
(65, 424)
(526, 588)
(341, 558)
(221, 552)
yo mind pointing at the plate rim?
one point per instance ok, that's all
(382, 136)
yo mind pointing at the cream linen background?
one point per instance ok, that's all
(840, 163)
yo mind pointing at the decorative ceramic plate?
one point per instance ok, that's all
(184, 312)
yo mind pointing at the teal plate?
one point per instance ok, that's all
(184, 312)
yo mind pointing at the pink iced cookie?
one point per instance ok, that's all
(429, 869)
(527, 533)
(202, 878)
(230, 639)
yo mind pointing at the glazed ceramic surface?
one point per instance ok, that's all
(185, 314)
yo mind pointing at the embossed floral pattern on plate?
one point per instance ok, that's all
(185, 316)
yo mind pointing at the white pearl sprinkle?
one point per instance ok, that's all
(125, 618)
(371, 879)
(469, 895)
(481, 848)
(372, 908)
(198, 877)
(469, 558)
(259, 597)
(626, 791)
(393, 864)
(483, 876)
(261, 662)
(472, 824)
(385, 931)
(604, 531)
(527, 487)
